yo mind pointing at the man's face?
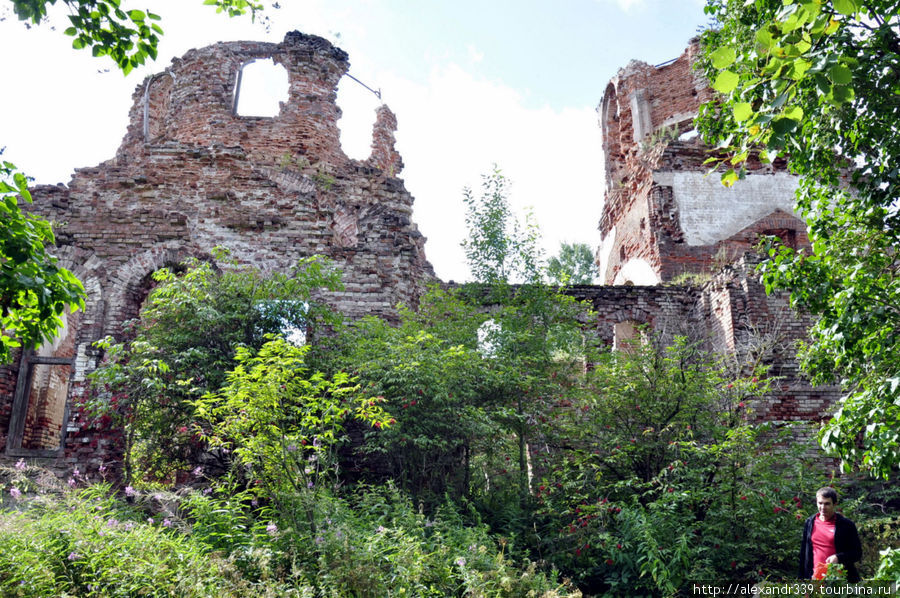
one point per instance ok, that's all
(826, 506)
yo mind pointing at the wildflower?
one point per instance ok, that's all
(198, 471)
(129, 491)
(619, 546)
(461, 562)
(291, 448)
(72, 483)
(72, 556)
(820, 571)
(112, 523)
(102, 469)
(207, 490)
(578, 552)
(319, 539)
(380, 529)
(76, 473)
(15, 493)
(20, 465)
(271, 529)
(610, 562)
(743, 498)
(167, 523)
(309, 484)
(150, 520)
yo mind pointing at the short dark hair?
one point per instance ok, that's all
(828, 492)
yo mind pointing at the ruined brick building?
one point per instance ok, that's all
(192, 174)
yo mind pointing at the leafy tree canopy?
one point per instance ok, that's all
(818, 82)
(34, 290)
(574, 264)
(129, 37)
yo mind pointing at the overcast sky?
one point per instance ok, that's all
(473, 83)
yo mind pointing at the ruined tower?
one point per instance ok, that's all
(192, 174)
(662, 215)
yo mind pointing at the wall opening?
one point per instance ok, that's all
(157, 96)
(261, 87)
(358, 106)
(40, 407)
(628, 335)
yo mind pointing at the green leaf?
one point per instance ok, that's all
(729, 178)
(846, 7)
(781, 126)
(764, 38)
(841, 75)
(742, 111)
(726, 82)
(794, 113)
(137, 15)
(723, 57)
(842, 94)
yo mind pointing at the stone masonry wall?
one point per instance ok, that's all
(191, 175)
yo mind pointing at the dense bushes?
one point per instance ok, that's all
(370, 544)
(477, 447)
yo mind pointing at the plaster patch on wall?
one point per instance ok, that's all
(710, 212)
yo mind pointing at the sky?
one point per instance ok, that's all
(512, 83)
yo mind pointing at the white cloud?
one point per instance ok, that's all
(454, 126)
(475, 55)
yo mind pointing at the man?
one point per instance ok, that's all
(829, 537)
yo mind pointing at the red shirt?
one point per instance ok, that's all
(822, 540)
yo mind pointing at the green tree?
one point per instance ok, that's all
(283, 423)
(184, 345)
(574, 264)
(657, 476)
(499, 249)
(34, 290)
(534, 340)
(436, 383)
(818, 82)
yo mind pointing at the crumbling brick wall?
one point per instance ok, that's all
(663, 216)
(191, 174)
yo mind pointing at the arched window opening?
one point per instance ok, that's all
(628, 335)
(261, 87)
(40, 405)
(358, 106)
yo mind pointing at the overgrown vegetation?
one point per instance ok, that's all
(482, 446)
(816, 82)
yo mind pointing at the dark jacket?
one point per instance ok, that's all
(846, 546)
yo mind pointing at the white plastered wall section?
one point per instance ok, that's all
(709, 212)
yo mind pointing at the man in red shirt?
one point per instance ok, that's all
(829, 537)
